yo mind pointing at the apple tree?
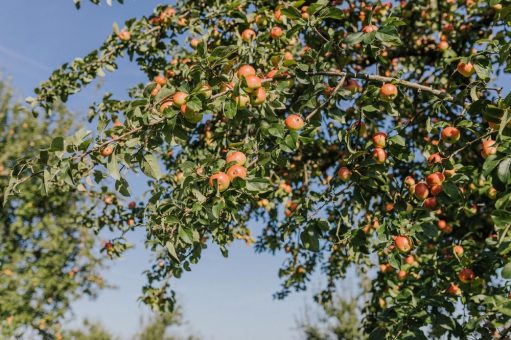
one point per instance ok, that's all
(359, 133)
(46, 259)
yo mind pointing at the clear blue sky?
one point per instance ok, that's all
(222, 298)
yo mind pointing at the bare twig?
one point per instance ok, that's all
(325, 103)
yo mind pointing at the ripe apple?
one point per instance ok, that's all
(160, 80)
(450, 135)
(458, 250)
(385, 268)
(380, 139)
(124, 35)
(435, 178)
(248, 35)
(352, 85)
(237, 171)
(466, 275)
(237, 156)
(165, 105)
(410, 260)
(379, 155)
(436, 189)
(253, 83)
(294, 122)
(443, 45)
(403, 243)
(388, 92)
(421, 191)
(454, 289)
(444, 227)
(401, 275)
(465, 70)
(276, 32)
(488, 148)
(434, 159)
(132, 205)
(194, 43)
(107, 151)
(258, 96)
(344, 174)
(220, 179)
(179, 98)
(246, 70)
(431, 203)
(369, 28)
(272, 73)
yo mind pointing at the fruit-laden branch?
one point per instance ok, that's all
(383, 79)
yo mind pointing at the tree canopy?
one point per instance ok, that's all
(46, 260)
(362, 133)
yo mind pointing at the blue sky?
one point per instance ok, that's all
(222, 298)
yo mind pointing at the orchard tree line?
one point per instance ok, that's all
(362, 134)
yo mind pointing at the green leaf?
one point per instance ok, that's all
(57, 144)
(354, 38)
(172, 250)
(504, 170)
(150, 167)
(113, 166)
(501, 218)
(291, 12)
(506, 271)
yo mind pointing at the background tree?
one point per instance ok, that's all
(156, 328)
(362, 133)
(46, 259)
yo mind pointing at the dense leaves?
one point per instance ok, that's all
(373, 136)
(47, 259)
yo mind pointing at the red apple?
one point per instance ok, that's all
(488, 148)
(294, 122)
(403, 243)
(276, 32)
(435, 178)
(248, 35)
(450, 135)
(237, 171)
(160, 80)
(124, 35)
(344, 174)
(179, 98)
(430, 203)
(107, 151)
(465, 70)
(379, 155)
(237, 156)
(454, 289)
(369, 28)
(258, 96)
(253, 83)
(388, 92)
(466, 275)
(421, 191)
(246, 70)
(458, 250)
(380, 139)
(220, 179)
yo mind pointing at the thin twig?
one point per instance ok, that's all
(325, 103)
